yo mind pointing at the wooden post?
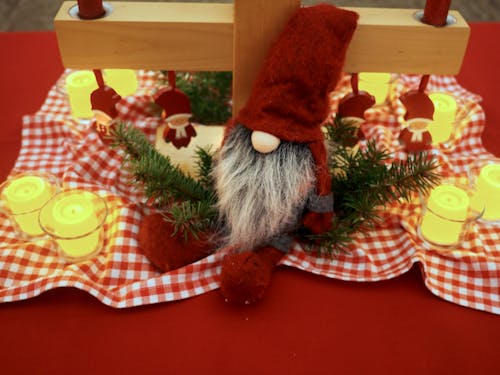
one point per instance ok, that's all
(257, 23)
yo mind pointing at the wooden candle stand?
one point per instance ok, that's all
(223, 37)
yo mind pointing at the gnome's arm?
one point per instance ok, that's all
(318, 218)
(319, 209)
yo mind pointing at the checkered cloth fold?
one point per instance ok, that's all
(120, 276)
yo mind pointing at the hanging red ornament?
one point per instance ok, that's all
(177, 113)
(419, 114)
(353, 106)
(103, 101)
(436, 12)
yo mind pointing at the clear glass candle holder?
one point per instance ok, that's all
(75, 221)
(448, 213)
(21, 198)
(484, 177)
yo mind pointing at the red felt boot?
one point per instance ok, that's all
(169, 252)
(246, 276)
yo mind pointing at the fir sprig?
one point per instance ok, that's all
(363, 182)
(163, 182)
(204, 163)
(192, 218)
(187, 203)
(341, 132)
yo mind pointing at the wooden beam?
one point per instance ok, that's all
(393, 40)
(179, 36)
(199, 36)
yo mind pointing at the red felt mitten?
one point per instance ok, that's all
(246, 276)
(169, 252)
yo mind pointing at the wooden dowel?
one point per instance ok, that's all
(436, 12)
(90, 9)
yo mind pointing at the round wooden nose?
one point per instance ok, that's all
(264, 142)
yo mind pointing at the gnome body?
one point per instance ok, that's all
(271, 175)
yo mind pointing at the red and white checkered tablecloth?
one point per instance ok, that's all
(120, 276)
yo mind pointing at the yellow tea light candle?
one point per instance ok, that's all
(445, 216)
(488, 188)
(376, 84)
(123, 81)
(23, 196)
(445, 109)
(74, 218)
(79, 86)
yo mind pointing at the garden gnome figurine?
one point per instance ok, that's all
(271, 175)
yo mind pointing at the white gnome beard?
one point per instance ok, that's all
(261, 196)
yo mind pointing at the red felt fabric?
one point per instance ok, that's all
(311, 325)
(245, 276)
(169, 252)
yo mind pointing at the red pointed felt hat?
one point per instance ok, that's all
(355, 105)
(173, 101)
(104, 99)
(418, 105)
(290, 96)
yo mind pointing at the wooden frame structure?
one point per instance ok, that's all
(217, 37)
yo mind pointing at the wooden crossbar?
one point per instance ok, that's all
(217, 37)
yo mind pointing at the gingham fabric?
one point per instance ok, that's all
(120, 276)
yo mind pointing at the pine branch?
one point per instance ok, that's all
(204, 164)
(363, 182)
(162, 182)
(192, 218)
(341, 132)
(335, 241)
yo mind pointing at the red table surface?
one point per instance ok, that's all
(307, 324)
